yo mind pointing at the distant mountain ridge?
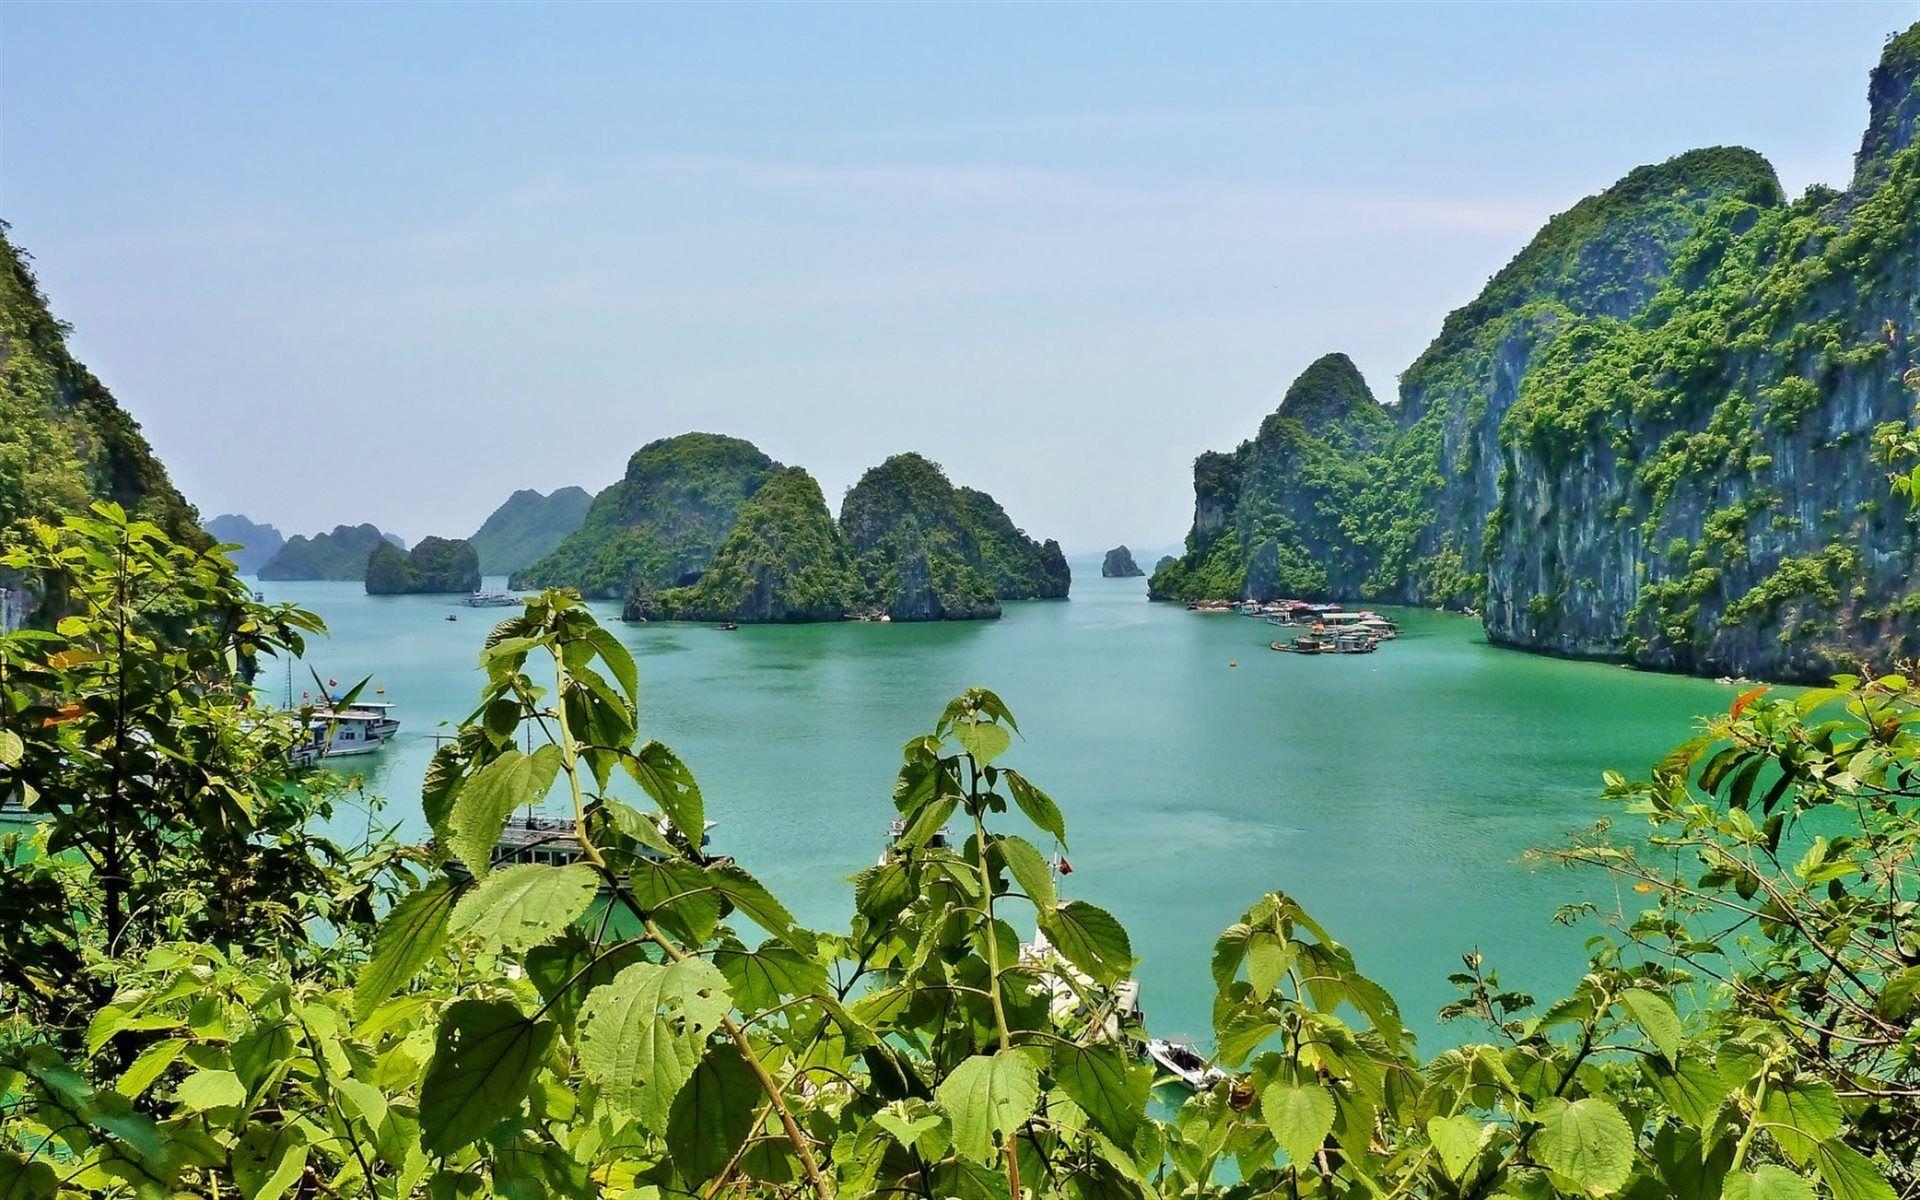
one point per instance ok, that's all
(340, 554)
(527, 527)
(258, 543)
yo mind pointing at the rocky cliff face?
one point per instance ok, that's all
(1272, 518)
(659, 526)
(1119, 564)
(258, 543)
(436, 565)
(65, 442)
(341, 554)
(528, 527)
(1651, 437)
(784, 560)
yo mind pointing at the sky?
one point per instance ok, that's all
(391, 262)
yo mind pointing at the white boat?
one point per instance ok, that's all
(358, 728)
(1073, 994)
(1185, 1063)
(898, 829)
(491, 600)
(553, 842)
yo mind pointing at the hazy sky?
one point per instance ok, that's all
(392, 262)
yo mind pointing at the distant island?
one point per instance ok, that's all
(707, 527)
(1119, 564)
(341, 554)
(258, 543)
(437, 564)
(527, 527)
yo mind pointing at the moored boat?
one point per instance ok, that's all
(1185, 1064)
(491, 600)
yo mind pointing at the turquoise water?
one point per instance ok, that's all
(1393, 793)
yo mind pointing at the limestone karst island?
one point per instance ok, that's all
(969, 602)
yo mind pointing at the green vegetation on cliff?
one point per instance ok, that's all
(784, 560)
(341, 554)
(1651, 436)
(437, 564)
(64, 441)
(527, 527)
(917, 543)
(659, 526)
(1269, 518)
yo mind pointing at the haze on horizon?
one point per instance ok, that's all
(389, 264)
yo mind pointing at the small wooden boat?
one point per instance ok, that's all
(1185, 1064)
(729, 626)
(1306, 643)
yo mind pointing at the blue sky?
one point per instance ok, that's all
(390, 263)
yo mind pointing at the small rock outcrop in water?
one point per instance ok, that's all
(1119, 564)
(784, 560)
(527, 527)
(659, 526)
(258, 543)
(1649, 438)
(341, 554)
(929, 551)
(435, 565)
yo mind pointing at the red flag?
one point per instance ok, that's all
(1066, 868)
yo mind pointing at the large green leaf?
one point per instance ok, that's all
(410, 936)
(642, 1034)
(714, 1113)
(1107, 1083)
(1300, 1116)
(1586, 1141)
(1038, 806)
(488, 798)
(1848, 1173)
(269, 1159)
(1767, 1183)
(1089, 938)
(987, 1095)
(1800, 1115)
(751, 897)
(985, 740)
(1029, 868)
(664, 777)
(204, 1089)
(1457, 1139)
(524, 906)
(760, 979)
(1656, 1019)
(483, 1063)
(1695, 1089)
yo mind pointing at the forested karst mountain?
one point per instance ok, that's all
(436, 564)
(658, 527)
(1650, 437)
(527, 527)
(64, 441)
(258, 543)
(784, 560)
(929, 551)
(1119, 564)
(340, 554)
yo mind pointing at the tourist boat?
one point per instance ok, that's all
(490, 600)
(729, 626)
(1306, 643)
(357, 728)
(1075, 995)
(451, 617)
(553, 842)
(1185, 1063)
(897, 829)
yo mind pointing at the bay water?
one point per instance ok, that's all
(1395, 794)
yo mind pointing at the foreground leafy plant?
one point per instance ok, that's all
(645, 1019)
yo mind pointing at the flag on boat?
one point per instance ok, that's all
(1065, 867)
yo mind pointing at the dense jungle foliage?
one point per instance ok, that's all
(435, 564)
(341, 554)
(203, 998)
